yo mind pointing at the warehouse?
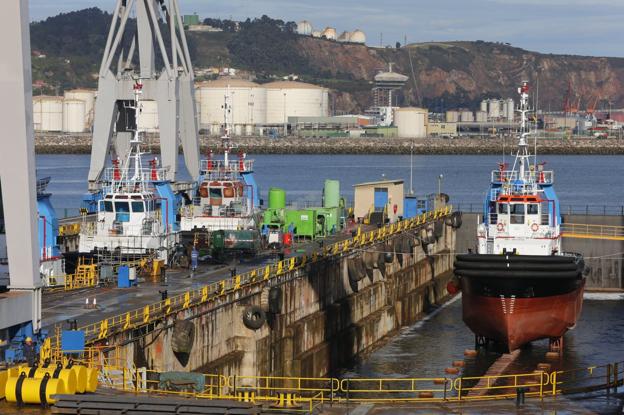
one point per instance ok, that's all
(385, 196)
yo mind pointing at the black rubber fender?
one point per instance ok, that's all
(438, 229)
(515, 266)
(353, 270)
(275, 300)
(456, 220)
(254, 317)
(559, 259)
(517, 274)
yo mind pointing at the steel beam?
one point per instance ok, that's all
(17, 158)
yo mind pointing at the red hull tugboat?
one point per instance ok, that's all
(519, 287)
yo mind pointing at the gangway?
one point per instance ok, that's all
(587, 231)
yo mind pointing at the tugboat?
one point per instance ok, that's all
(136, 215)
(225, 207)
(519, 287)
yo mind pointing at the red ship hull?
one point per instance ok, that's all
(518, 321)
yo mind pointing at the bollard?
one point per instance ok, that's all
(520, 392)
(163, 294)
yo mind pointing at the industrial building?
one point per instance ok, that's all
(72, 113)
(304, 28)
(411, 122)
(384, 196)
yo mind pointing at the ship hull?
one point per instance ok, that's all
(514, 306)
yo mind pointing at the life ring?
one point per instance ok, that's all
(535, 227)
(500, 227)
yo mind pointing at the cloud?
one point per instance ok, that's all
(549, 26)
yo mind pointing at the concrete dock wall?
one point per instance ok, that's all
(326, 321)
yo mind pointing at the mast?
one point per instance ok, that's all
(227, 122)
(523, 156)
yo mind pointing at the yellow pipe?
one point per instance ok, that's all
(31, 389)
(81, 378)
(4, 375)
(92, 380)
(67, 375)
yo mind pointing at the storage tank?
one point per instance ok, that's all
(411, 122)
(316, 33)
(74, 116)
(149, 116)
(304, 28)
(484, 105)
(510, 114)
(493, 108)
(344, 37)
(294, 99)
(88, 96)
(248, 102)
(466, 116)
(329, 33)
(357, 36)
(481, 116)
(48, 113)
(277, 198)
(452, 116)
(331, 193)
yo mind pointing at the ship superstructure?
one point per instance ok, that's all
(226, 197)
(519, 286)
(136, 215)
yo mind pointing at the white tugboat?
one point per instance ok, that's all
(136, 215)
(519, 287)
(226, 201)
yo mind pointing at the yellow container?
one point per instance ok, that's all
(81, 378)
(31, 390)
(92, 380)
(67, 375)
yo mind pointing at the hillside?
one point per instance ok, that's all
(446, 75)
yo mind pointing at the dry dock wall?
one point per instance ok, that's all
(326, 321)
(603, 257)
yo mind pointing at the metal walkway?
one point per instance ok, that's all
(586, 231)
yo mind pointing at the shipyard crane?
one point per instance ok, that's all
(20, 307)
(157, 55)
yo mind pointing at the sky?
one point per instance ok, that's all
(580, 27)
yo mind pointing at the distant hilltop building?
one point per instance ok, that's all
(304, 28)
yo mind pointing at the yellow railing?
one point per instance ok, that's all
(302, 394)
(150, 313)
(586, 231)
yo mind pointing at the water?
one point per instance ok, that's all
(426, 348)
(579, 180)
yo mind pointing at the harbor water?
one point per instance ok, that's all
(582, 182)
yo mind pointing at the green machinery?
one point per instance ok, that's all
(309, 222)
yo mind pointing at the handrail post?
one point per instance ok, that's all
(615, 377)
(608, 378)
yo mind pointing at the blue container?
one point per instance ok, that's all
(72, 341)
(123, 277)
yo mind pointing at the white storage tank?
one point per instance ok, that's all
(329, 33)
(149, 116)
(88, 97)
(484, 105)
(48, 113)
(466, 116)
(344, 37)
(74, 116)
(452, 116)
(510, 114)
(494, 108)
(411, 122)
(248, 102)
(357, 36)
(304, 28)
(481, 116)
(294, 99)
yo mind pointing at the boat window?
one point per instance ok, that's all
(215, 192)
(108, 206)
(122, 207)
(228, 192)
(503, 208)
(532, 209)
(517, 213)
(137, 207)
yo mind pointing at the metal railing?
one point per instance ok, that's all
(510, 176)
(586, 231)
(212, 292)
(217, 167)
(468, 206)
(303, 394)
